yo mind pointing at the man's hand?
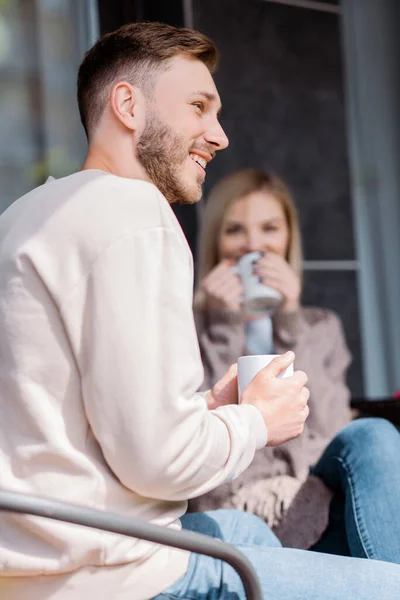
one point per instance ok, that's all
(282, 402)
(225, 391)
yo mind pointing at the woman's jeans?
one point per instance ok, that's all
(361, 464)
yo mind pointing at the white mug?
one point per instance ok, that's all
(249, 366)
(258, 297)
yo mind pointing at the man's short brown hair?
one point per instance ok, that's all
(135, 52)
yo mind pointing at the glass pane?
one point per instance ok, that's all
(41, 45)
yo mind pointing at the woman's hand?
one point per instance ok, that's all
(223, 287)
(276, 272)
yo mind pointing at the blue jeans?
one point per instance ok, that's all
(285, 574)
(360, 465)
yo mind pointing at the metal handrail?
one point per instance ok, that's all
(138, 528)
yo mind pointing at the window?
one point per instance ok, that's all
(41, 45)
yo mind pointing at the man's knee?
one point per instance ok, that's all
(239, 527)
(255, 529)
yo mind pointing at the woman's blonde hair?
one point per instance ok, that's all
(231, 187)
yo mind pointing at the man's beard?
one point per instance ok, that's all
(163, 154)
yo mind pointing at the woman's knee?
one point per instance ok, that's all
(369, 433)
(366, 441)
(369, 442)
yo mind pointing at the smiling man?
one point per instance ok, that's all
(99, 362)
(165, 113)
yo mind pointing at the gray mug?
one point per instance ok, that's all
(258, 297)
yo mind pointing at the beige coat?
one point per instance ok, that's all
(273, 483)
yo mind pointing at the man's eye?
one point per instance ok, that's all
(199, 105)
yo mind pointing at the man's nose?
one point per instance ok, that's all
(217, 137)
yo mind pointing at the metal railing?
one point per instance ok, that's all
(138, 528)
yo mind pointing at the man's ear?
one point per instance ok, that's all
(123, 104)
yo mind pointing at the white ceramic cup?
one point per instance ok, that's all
(249, 366)
(258, 297)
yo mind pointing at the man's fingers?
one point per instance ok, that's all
(226, 379)
(278, 364)
(305, 394)
(232, 371)
(300, 378)
(225, 391)
(305, 411)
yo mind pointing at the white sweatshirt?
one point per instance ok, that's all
(99, 367)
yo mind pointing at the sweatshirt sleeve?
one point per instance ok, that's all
(131, 326)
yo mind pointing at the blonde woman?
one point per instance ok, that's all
(251, 210)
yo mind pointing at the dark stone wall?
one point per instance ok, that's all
(280, 79)
(281, 84)
(337, 290)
